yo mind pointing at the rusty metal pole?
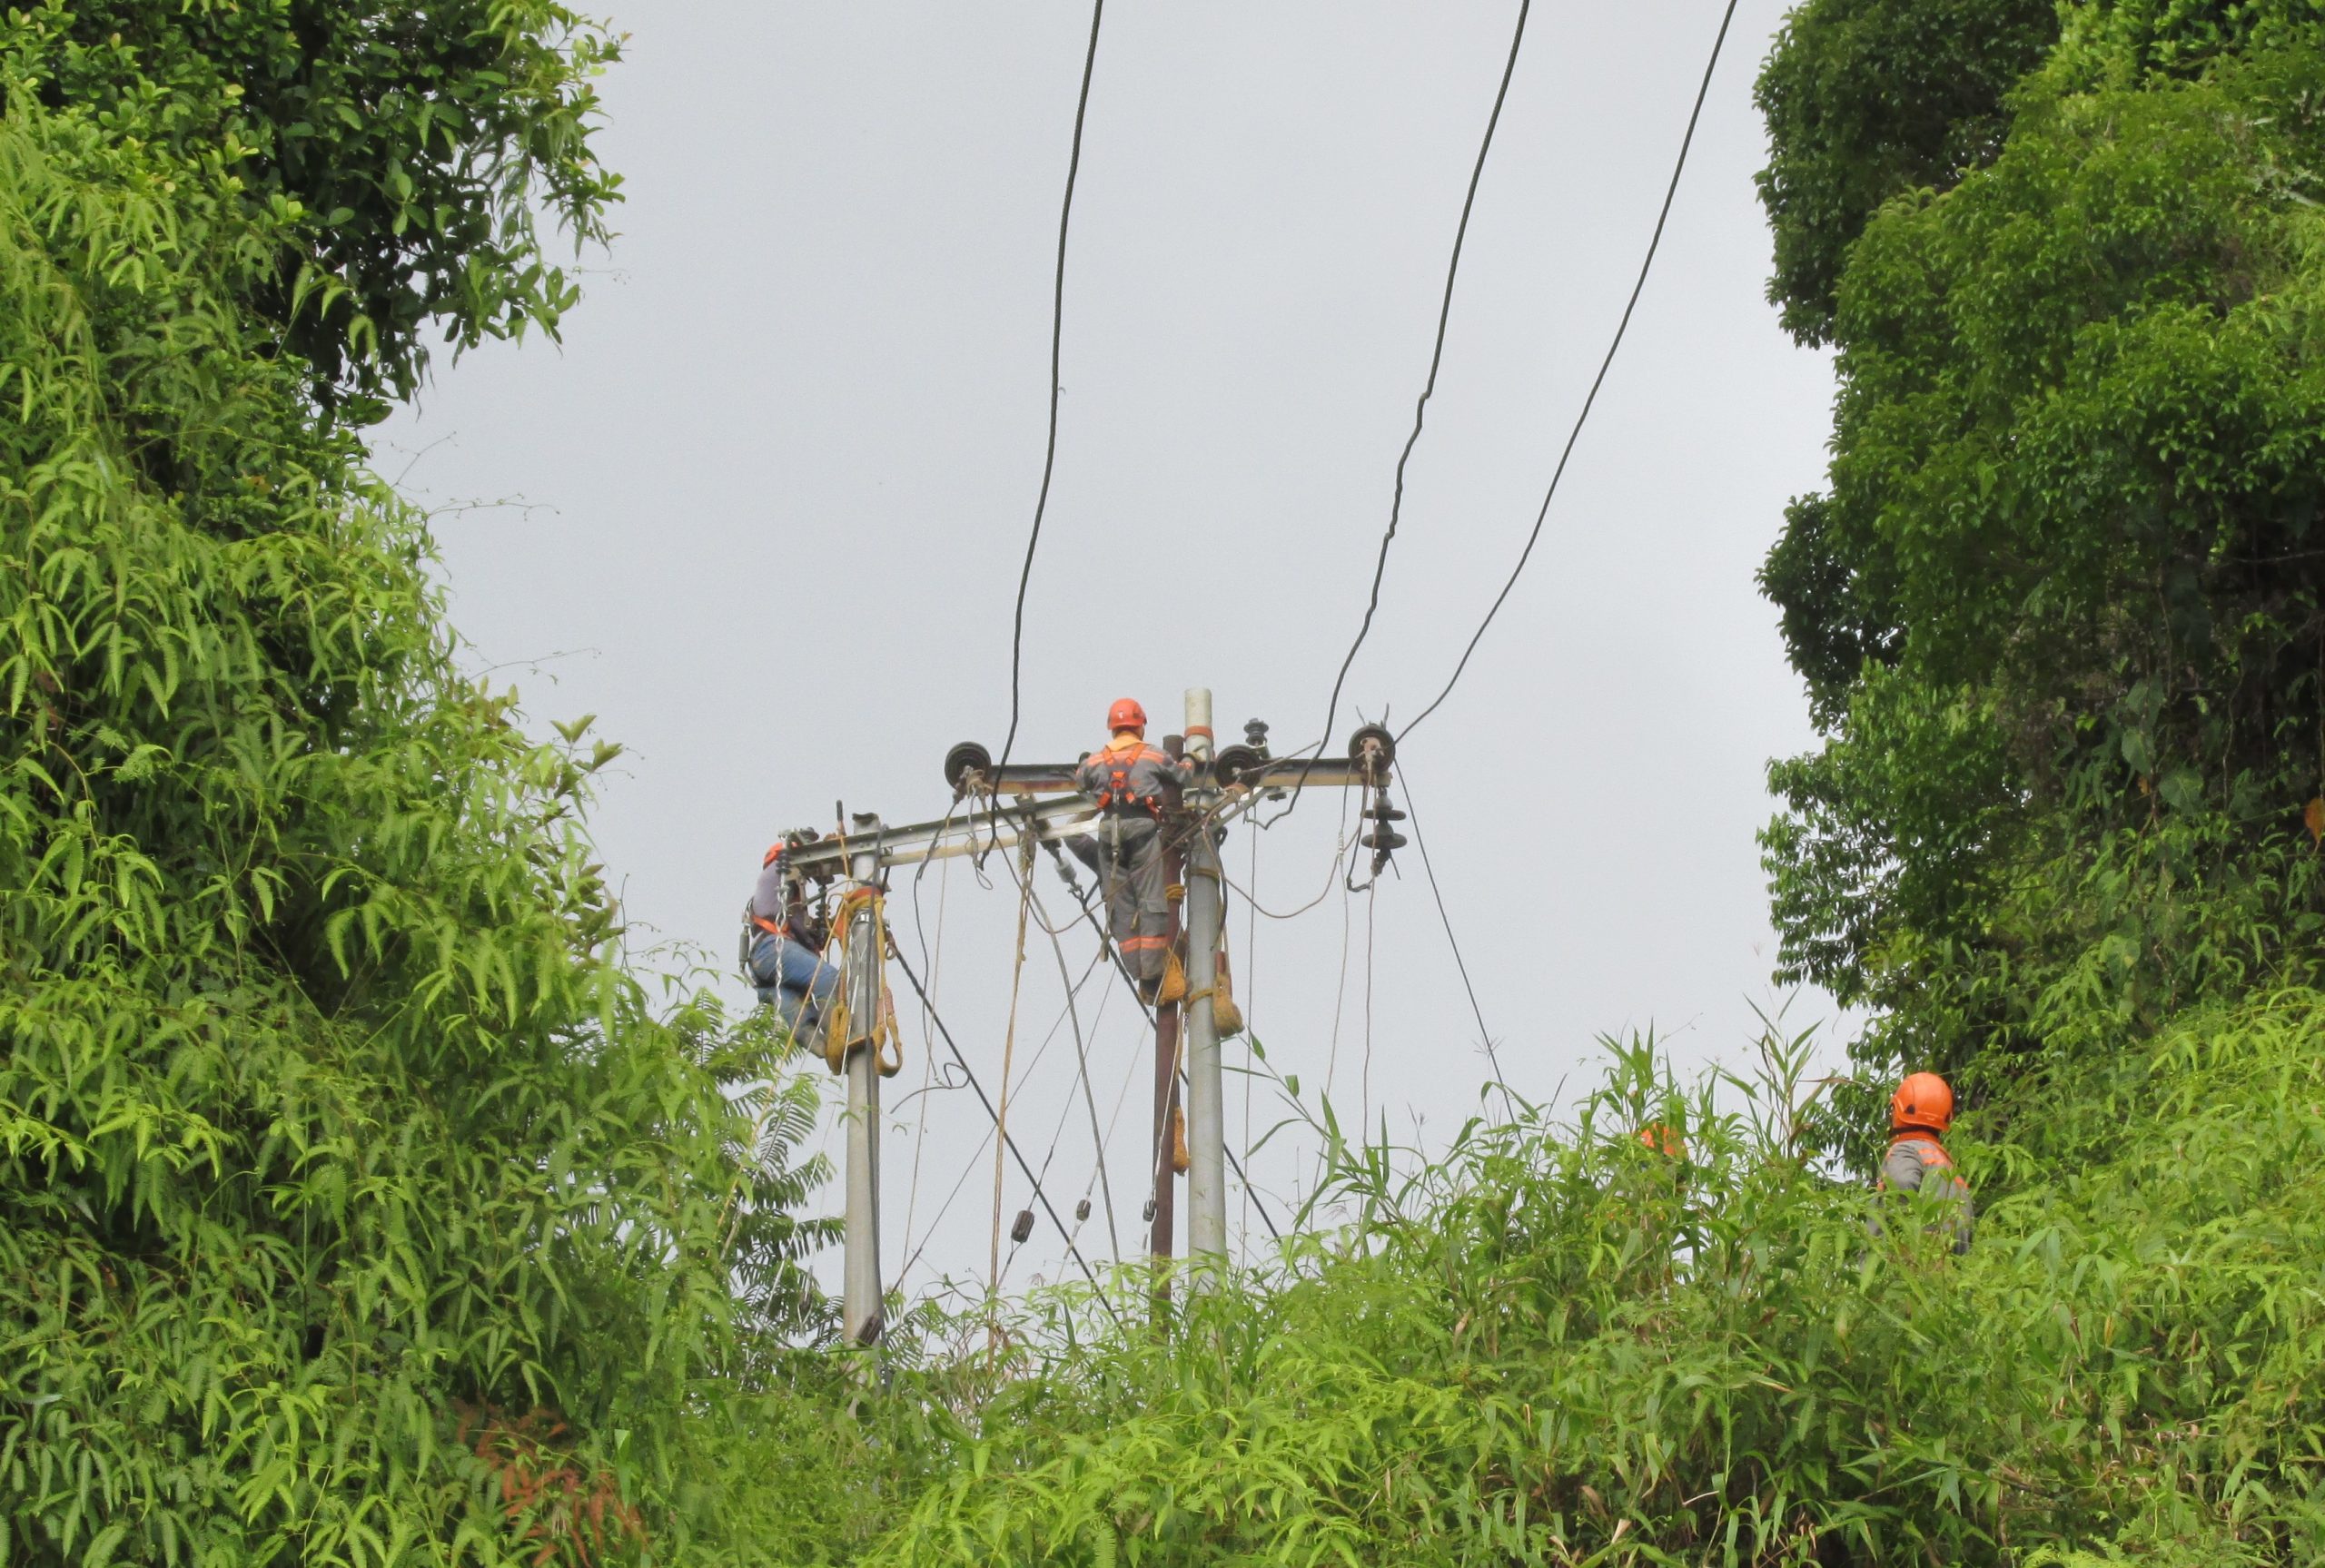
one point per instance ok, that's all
(1160, 1232)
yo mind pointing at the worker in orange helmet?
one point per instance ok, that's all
(1919, 1113)
(1136, 785)
(1662, 1137)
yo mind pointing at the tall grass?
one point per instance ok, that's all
(1557, 1345)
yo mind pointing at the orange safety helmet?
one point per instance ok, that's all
(1126, 714)
(1662, 1138)
(1923, 1102)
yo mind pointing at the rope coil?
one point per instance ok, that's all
(882, 1039)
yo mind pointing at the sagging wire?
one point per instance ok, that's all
(1040, 1054)
(1001, 1117)
(1080, 1052)
(1485, 1035)
(1057, 338)
(1010, 1143)
(1421, 404)
(1662, 217)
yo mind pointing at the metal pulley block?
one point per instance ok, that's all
(1373, 747)
(966, 765)
(1022, 1228)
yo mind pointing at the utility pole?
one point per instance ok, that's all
(1206, 1092)
(1229, 780)
(860, 1301)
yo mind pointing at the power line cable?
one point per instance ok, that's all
(1421, 842)
(1429, 388)
(1039, 1195)
(1662, 217)
(1058, 338)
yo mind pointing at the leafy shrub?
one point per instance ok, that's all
(1562, 1346)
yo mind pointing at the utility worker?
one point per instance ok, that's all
(1136, 786)
(1919, 1113)
(784, 949)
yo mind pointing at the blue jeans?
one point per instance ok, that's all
(796, 977)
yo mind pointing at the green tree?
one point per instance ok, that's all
(355, 1206)
(2059, 609)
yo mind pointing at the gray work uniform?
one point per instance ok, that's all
(1917, 1163)
(1136, 785)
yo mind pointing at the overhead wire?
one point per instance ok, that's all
(1250, 1003)
(1147, 1011)
(1008, 1056)
(1057, 338)
(1662, 218)
(927, 1043)
(1023, 1164)
(913, 1253)
(1428, 389)
(1082, 1064)
(1485, 1035)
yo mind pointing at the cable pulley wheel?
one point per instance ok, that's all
(1237, 764)
(1374, 738)
(967, 757)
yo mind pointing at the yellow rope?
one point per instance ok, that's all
(882, 1039)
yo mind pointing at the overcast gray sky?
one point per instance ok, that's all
(769, 501)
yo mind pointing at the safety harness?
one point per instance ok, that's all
(1117, 766)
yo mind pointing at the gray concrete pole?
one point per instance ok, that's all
(1206, 1091)
(860, 1276)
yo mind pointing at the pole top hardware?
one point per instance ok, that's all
(1372, 741)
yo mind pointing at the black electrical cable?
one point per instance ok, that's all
(1662, 217)
(1039, 1195)
(1421, 842)
(1057, 336)
(1429, 388)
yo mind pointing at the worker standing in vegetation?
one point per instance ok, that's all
(1919, 1113)
(1136, 786)
(784, 947)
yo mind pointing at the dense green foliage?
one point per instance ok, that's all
(2059, 609)
(354, 1206)
(1868, 98)
(1563, 1348)
(357, 1206)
